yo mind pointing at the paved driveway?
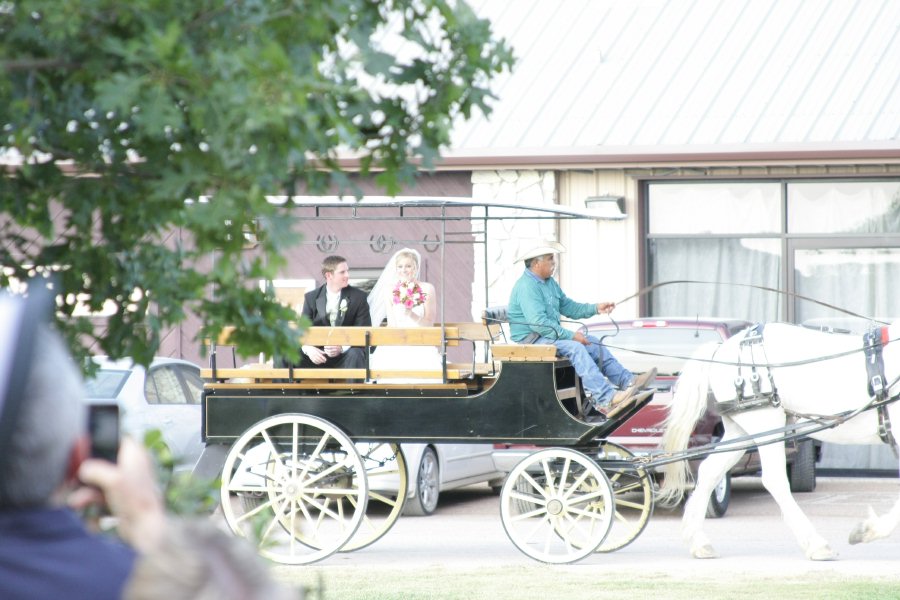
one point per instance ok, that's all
(466, 532)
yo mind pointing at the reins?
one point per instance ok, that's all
(649, 288)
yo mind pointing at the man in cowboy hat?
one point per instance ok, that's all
(536, 306)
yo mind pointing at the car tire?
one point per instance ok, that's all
(427, 486)
(251, 500)
(802, 471)
(720, 498)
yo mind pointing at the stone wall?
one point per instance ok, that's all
(507, 239)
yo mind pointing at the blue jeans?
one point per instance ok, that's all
(598, 368)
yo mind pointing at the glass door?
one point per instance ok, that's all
(845, 275)
(862, 279)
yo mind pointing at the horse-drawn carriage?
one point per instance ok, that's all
(319, 461)
(311, 464)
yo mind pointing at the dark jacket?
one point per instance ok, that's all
(357, 313)
(47, 553)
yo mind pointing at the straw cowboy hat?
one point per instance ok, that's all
(541, 248)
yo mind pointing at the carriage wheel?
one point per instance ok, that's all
(388, 485)
(633, 491)
(311, 481)
(557, 505)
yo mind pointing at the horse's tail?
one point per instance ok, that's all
(688, 405)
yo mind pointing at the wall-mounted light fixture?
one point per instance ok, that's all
(606, 207)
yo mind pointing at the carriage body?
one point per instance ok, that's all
(311, 452)
(521, 404)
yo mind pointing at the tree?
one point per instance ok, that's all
(151, 133)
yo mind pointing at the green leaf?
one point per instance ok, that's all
(151, 103)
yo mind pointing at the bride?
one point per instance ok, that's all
(405, 301)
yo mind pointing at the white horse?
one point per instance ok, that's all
(805, 385)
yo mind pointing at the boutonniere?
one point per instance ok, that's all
(343, 307)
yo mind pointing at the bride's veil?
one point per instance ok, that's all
(378, 297)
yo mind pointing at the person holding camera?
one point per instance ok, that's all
(45, 549)
(47, 473)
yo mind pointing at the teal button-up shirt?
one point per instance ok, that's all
(536, 306)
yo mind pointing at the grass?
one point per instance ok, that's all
(568, 583)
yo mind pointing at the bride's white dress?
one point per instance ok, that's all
(406, 357)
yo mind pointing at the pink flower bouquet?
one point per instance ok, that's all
(409, 294)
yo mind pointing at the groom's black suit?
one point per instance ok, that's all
(357, 314)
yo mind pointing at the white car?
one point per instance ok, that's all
(165, 397)
(431, 469)
(434, 468)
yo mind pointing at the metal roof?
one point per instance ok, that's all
(683, 74)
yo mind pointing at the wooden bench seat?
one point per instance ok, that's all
(477, 368)
(366, 337)
(380, 336)
(327, 385)
(372, 336)
(269, 375)
(524, 352)
(451, 335)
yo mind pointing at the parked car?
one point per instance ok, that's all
(434, 468)
(166, 396)
(668, 343)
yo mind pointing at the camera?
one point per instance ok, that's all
(103, 427)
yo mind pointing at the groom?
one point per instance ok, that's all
(334, 304)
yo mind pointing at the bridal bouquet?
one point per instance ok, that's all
(409, 294)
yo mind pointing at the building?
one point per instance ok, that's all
(753, 143)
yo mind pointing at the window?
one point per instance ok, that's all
(715, 208)
(844, 207)
(163, 387)
(829, 240)
(106, 383)
(192, 382)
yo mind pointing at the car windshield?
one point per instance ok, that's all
(106, 383)
(670, 347)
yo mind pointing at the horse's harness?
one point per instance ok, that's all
(752, 344)
(874, 341)
(761, 396)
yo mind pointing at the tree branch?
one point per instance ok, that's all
(34, 64)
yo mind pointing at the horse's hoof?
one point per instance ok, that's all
(859, 534)
(824, 553)
(704, 551)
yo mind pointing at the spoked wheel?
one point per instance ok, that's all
(388, 480)
(633, 491)
(557, 505)
(388, 484)
(311, 481)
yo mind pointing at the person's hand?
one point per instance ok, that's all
(579, 337)
(317, 356)
(130, 490)
(333, 351)
(604, 308)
